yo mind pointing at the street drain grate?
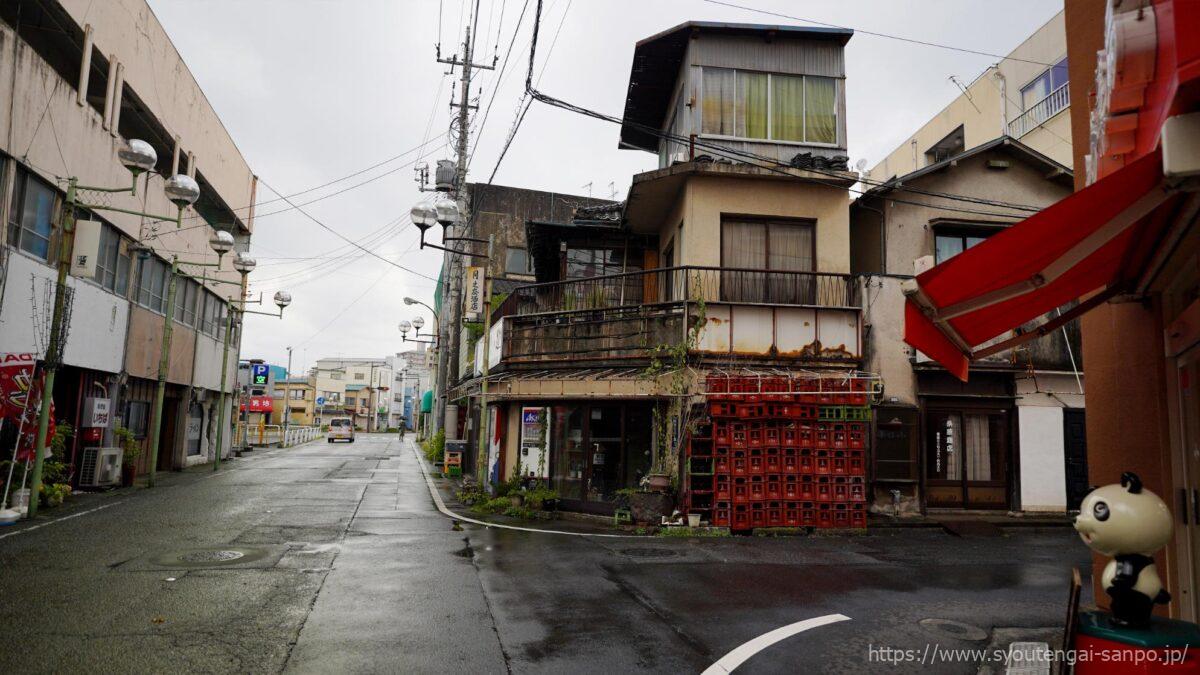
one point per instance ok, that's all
(210, 557)
(381, 458)
(648, 552)
(954, 629)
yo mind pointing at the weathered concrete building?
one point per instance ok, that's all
(79, 79)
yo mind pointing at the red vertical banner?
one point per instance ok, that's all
(20, 393)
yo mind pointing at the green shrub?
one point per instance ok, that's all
(471, 495)
(435, 447)
(522, 512)
(496, 505)
(537, 497)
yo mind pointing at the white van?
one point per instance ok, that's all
(341, 428)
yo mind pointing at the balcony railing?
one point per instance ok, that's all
(669, 285)
(1054, 103)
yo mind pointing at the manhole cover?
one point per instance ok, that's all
(211, 556)
(954, 629)
(648, 552)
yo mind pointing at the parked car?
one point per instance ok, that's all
(341, 428)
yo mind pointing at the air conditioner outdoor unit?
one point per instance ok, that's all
(100, 467)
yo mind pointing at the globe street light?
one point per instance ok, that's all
(283, 299)
(244, 263)
(222, 243)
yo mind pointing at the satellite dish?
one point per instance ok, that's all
(860, 165)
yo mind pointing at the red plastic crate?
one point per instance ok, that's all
(737, 435)
(723, 486)
(840, 489)
(758, 515)
(841, 518)
(838, 464)
(789, 437)
(721, 514)
(754, 458)
(806, 434)
(749, 411)
(791, 515)
(824, 515)
(837, 435)
(821, 463)
(773, 461)
(791, 487)
(754, 435)
(804, 460)
(790, 460)
(855, 464)
(856, 435)
(858, 519)
(740, 490)
(774, 487)
(822, 435)
(758, 488)
(808, 514)
(774, 514)
(858, 489)
(741, 517)
(808, 490)
(721, 433)
(771, 436)
(822, 488)
(739, 464)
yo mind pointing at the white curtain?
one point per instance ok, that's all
(743, 246)
(977, 444)
(718, 102)
(791, 249)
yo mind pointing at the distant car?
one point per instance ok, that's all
(341, 428)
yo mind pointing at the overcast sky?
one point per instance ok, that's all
(315, 90)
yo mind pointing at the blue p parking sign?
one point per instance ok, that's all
(259, 373)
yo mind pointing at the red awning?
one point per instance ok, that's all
(1095, 239)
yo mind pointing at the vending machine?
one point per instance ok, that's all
(533, 454)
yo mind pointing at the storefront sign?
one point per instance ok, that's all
(258, 404)
(86, 248)
(19, 397)
(97, 412)
(474, 291)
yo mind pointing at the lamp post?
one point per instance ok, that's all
(287, 392)
(138, 157)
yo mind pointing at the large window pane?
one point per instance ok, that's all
(820, 109)
(790, 248)
(787, 108)
(752, 105)
(717, 102)
(1058, 75)
(743, 247)
(568, 460)
(37, 211)
(947, 247)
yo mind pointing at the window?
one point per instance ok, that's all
(335, 375)
(112, 266)
(360, 376)
(948, 245)
(1043, 85)
(351, 401)
(953, 144)
(297, 394)
(516, 261)
(753, 249)
(212, 314)
(136, 414)
(583, 263)
(745, 104)
(152, 284)
(186, 291)
(30, 220)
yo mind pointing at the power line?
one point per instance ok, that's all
(345, 309)
(499, 78)
(876, 34)
(347, 239)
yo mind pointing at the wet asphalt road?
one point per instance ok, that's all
(348, 567)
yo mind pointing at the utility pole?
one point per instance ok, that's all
(287, 395)
(448, 342)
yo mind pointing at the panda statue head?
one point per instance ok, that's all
(1124, 519)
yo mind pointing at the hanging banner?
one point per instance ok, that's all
(86, 248)
(473, 295)
(20, 395)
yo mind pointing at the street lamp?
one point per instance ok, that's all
(138, 157)
(447, 214)
(406, 326)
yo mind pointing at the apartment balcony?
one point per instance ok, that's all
(758, 315)
(1054, 103)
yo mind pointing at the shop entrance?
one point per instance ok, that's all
(597, 449)
(966, 463)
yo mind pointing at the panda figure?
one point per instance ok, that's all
(1128, 523)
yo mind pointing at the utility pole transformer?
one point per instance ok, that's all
(449, 337)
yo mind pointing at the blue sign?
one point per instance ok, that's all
(531, 415)
(259, 374)
(320, 400)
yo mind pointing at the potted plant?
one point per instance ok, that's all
(130, 451)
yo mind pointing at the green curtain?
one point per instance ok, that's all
(787, 108)
(752, 105)
(820, 103)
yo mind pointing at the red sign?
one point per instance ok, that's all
(258, 404)
(20, 395)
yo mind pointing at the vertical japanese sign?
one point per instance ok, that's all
(474, 291)
(20, 394)
(86, 248)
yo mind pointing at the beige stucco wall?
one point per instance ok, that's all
(704, 199)
(984, 112)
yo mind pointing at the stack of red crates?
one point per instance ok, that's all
(781, 452)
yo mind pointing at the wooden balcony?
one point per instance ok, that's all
(778, 316)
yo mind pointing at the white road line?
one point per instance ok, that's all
(59, 520)
(441, 506)
(735, 658)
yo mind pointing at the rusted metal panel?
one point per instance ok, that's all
(795, 329)
(714, 337)
(837, 330)
(753, 329)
